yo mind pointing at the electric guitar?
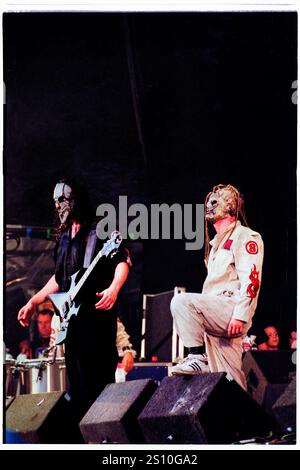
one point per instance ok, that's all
(65, 302)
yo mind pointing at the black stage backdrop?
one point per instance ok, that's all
(159, 107)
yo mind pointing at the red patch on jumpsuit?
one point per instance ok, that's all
(252, 289)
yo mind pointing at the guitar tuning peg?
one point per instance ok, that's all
(116, 235)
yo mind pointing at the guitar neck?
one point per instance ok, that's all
(85, 276)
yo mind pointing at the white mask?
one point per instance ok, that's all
(220, 203)
(64, 201)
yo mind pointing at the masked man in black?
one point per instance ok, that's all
(90, 345)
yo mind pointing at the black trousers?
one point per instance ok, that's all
(91, 356)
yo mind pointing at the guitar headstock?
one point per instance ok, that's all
(111, 246)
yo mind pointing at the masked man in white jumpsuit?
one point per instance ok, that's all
(217, 320)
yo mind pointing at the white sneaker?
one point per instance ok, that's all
(191, 365)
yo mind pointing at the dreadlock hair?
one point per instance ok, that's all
(236, 209)
(83, 210)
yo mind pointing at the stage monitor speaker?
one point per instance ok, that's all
(8, 402)
(44, 418)
(113, 416)
(267, 374)
(202, 409)
(285, 407)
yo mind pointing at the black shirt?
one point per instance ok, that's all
(69, 258)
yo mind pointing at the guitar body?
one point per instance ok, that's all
(66, 308)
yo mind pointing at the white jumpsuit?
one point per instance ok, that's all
(230, 291)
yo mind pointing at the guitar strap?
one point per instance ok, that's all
(90, 248)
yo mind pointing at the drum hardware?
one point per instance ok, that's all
(36, 376)
(40, 369)
(47, 351)
(13, 378)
